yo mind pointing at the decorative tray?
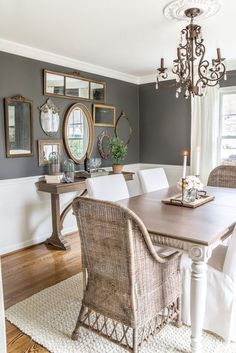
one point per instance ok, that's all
(176, 200)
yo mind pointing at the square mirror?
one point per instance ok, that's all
(77, 88)
(46, 147)
(54, 84)
(104, 115)
(97, 91)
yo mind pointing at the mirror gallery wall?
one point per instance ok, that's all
(24, 77)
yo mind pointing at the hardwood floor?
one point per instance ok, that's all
(27, 272)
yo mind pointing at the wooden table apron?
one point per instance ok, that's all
(56, 239)
(196, 231)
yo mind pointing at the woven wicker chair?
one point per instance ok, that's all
(131, 292)
(224, 176)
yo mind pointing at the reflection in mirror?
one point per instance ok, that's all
(49, 118)
(78, 132)
(77, 88)
(18, 127)
(123, 129)
(46, 147)
(103, 144)
(97, 91)
(54, 84)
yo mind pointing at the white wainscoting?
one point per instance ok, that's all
(26, 213)
(3, 348)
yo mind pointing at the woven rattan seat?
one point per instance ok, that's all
(131, 292)
(224, 176)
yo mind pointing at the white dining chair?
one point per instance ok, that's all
(108, 187)
(152, 179)
(220, 315)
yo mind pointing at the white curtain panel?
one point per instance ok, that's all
(204, 131)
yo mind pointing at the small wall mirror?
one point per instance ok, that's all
(55, 84)
(123, 129)
(46, 147)
(78, 132)
(97, 91)
(103, 144)
(18, 127)
(77, 88)
(49, 118)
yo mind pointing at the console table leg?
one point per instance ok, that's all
(57, 240)
(198, 300)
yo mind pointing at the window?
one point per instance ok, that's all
(227, 131)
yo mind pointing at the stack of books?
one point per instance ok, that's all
(54, 178)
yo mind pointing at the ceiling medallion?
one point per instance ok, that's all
(192, 71)
(176, 9)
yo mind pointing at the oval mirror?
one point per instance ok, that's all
(123, 129)
(78, 132)
(49, 118)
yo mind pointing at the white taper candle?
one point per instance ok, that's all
(185, 154)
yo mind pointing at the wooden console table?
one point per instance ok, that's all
(56, 239)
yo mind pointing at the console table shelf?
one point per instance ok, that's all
(56, 239)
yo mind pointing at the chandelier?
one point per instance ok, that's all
(192, 72)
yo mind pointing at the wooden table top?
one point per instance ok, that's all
(202, 225)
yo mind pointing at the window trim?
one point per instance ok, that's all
(223, 91)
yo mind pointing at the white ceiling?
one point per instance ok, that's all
(127, 36)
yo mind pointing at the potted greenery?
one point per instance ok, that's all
(118, 152)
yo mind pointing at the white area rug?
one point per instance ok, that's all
(49, 317)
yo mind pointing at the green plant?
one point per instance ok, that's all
(118, 150)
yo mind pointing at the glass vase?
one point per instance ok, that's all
(69, 171)
(189, 195)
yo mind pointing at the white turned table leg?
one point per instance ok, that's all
(198, 301)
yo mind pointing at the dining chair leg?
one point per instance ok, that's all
(179, 322)
(75, 334)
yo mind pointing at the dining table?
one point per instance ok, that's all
(196, 231)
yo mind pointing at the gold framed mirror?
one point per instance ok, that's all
(46, 147)
(78, 132)
(73, 85)
(18, 127)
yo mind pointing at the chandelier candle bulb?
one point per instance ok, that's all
(218, 54)
(162, 63)
(178, 53)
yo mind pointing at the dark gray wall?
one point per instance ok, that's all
(231, 79)
(165, 124)
(24, 76)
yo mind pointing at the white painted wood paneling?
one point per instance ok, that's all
(3, 348)
(26, 212)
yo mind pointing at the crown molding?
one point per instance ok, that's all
(42, 55)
